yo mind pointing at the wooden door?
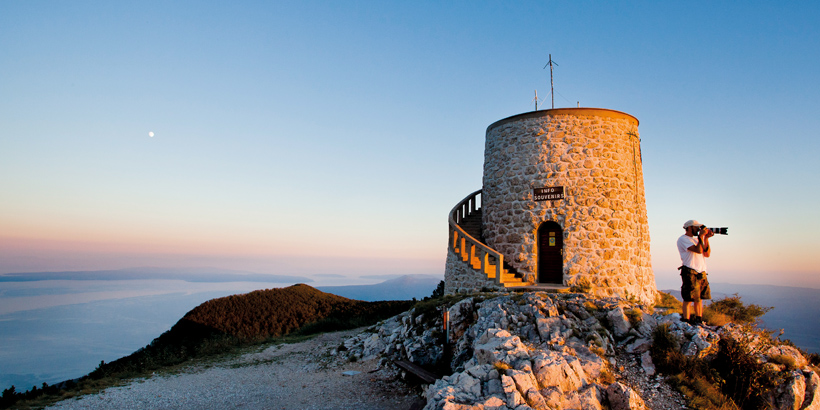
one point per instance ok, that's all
(550, 253)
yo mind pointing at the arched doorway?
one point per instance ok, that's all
(550, 253)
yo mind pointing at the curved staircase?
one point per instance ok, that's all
(467, 242)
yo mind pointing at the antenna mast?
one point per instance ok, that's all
(552, 92)
(536, 100)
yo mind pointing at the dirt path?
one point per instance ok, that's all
(301, 375)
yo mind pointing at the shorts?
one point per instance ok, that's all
(695, 285)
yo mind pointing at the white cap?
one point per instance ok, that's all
(691, 222)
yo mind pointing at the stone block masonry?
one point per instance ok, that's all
(595, 156)
(460, 278)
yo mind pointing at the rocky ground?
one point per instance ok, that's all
(656, 392)
(566, 351)
(305, 375)
(505, 352)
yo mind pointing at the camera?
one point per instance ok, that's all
(717, 231)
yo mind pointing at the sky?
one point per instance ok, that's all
(334, 137)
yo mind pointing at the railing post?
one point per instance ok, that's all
(499, 268)
(472, 253)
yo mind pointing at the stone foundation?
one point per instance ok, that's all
(459, 277)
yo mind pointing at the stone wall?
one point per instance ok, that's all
(459, 277)
(595, 155)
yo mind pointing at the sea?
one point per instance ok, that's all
(52, 331)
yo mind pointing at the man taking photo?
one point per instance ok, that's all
(693, 247)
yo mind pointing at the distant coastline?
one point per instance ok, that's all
(209, 275)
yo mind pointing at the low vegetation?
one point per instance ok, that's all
(733, 378)
(668, 303)
(222, 326)
(735, 311)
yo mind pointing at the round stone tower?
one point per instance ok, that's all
(563, 200)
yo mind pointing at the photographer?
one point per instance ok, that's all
(693, 247)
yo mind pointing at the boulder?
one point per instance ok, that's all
(512, 397)
(618, 322)
(553, 369)
(524, 380)
(498, 345)
(622, 397)
(461, 317)
(791, 394)
(549, 329)
(639, 346)
(587, 398)
(811, 400)
(494, 403)
(787, 354)
(647, 365)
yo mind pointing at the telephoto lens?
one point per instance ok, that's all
(718, 231)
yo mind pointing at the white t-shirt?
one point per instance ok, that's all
(691, 259)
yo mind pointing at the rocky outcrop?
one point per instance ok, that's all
(559, 351)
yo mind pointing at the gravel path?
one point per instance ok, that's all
(301, 375)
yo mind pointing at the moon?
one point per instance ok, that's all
(151, 134)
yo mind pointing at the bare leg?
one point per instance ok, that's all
(685, 308)
(699, 308)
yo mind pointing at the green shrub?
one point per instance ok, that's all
(714, 318)
(690, 375)
(745, 380)
(739, 312)
(666, 301)
(439, 291)
(788, 361)
(634, 315)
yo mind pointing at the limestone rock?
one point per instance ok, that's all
(588, 398)
(539, 351)
(494, 403)
(618, 322)
(647, 365)
(811, 400)
(552, 369)
(791, 394)
(788, 353)
(622, 397)
(498, 345)
(513, 397)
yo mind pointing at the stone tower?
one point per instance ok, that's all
(562, 203)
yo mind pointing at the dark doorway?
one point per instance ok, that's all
(550, 253)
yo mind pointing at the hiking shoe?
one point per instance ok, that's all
(697, 321)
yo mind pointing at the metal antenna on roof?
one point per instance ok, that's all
(536, 100)
(552, 92)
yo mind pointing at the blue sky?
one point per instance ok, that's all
(295, 137)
